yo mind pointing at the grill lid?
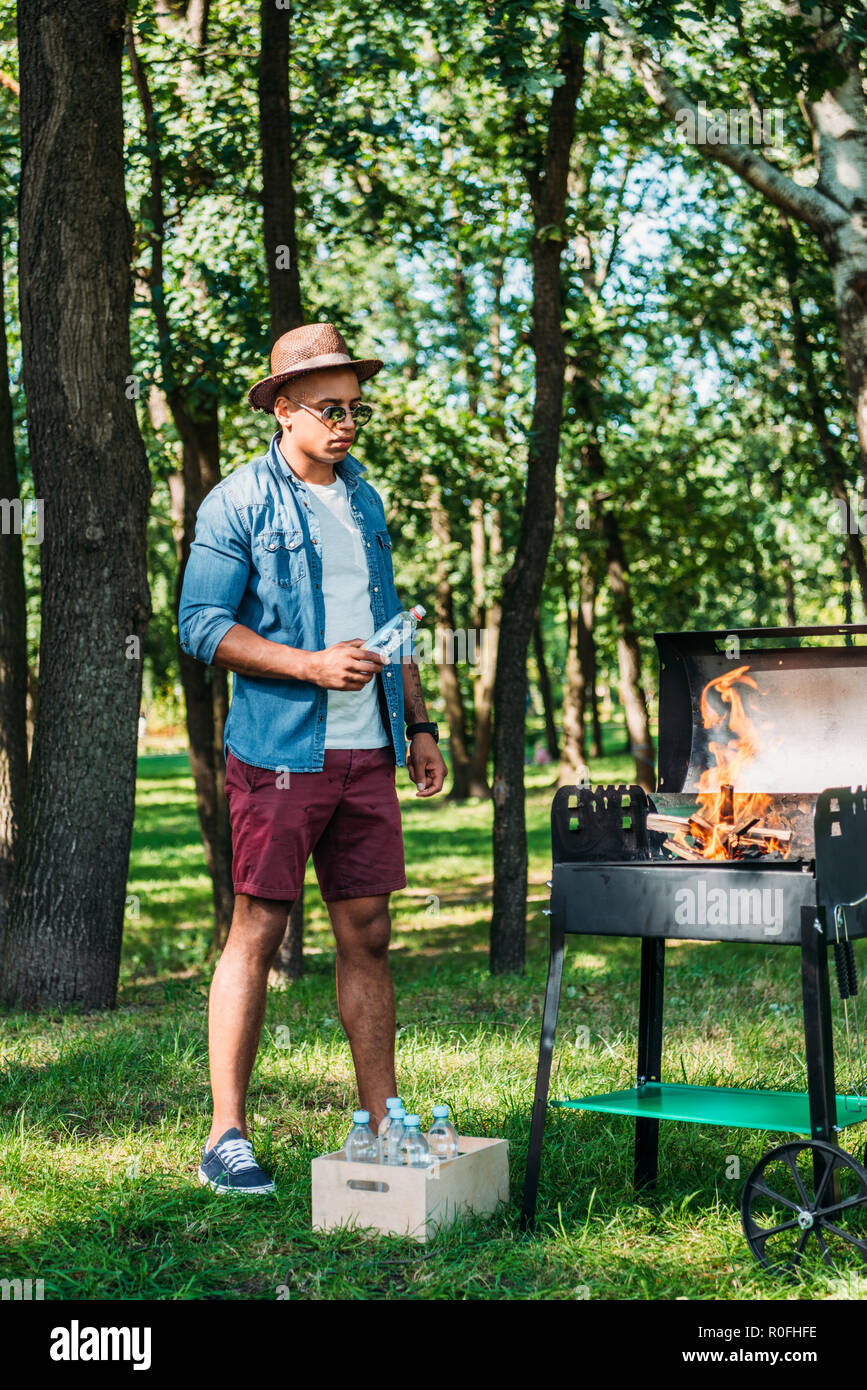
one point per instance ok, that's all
(810, 709)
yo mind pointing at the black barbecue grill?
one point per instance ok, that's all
(614, 876)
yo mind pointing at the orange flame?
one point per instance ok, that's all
(719, 803)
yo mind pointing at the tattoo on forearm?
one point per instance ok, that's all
(415, 710)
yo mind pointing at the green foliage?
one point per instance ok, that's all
(415, 128)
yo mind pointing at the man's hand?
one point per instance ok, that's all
(345, 666)
(426, 765)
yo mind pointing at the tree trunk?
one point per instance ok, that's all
(469, 769)
(198, 14)
(789, 591)
(628, 656)
(585, 394)
(185, 18)
(545, 689)
(447, 671)
(486, 550)
(846, 568)
(573, 756)
(288, 964)
(466, 338)
(522, 586)
(587, 653)
(206, 690)
(63, 936)
(640, 743)
(32, 694)
(285, 309)
(278, 185)
(486, 622)
(13, 640)
(196, 420)
(477, 777)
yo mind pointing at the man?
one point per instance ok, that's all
(289, 573)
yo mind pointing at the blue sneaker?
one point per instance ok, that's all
(230, 1167)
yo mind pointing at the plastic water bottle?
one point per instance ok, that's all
(361, 1145)
(394, 633)
(442, 1137)
(391, 1104)
(391, 1140)
(414, 1149)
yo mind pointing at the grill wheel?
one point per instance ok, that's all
(805, 1204)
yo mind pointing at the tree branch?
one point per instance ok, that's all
(808, 205)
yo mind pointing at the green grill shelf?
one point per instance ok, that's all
(786, 1111)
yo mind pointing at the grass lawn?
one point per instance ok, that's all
(104, 1116)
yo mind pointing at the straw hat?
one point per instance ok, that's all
(304, 350)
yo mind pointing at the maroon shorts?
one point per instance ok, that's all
(347, 816)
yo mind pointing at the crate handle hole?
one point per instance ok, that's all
(358, 1186)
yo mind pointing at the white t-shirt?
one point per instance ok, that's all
(353, 718)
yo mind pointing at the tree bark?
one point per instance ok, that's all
(13, 639)
(522, 585)
(188, 18)
(486, 550)
(483, 685)
(789, 592)
(466, 337)
(288, 963)
(604, 520)
(206, 688)
(278, 185)
(573, 753)
(63, 937)
(604, 523)
(586, 393)
(447, 671)
(545, 689)
(587, 652)
(196, 421)
(486, 622)
(285, 308)
(469, 768)
(198, 14)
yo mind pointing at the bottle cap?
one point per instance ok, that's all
(441, 1111)
(393, 1101)
(413, 1120)
(418, 610)
(360, 1117)
(397, 1112)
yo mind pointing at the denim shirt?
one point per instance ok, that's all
(256, 560)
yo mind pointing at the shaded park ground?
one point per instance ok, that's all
(103, 1116)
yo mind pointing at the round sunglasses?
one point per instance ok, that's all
(335, 414)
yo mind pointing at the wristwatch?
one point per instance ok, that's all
(412, 729)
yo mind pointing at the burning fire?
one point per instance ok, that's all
(729, 825)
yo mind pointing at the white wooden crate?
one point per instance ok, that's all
(414, 1201)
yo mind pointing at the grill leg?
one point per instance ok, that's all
(543, 1076)
(818, 1035)
(649, 1054)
